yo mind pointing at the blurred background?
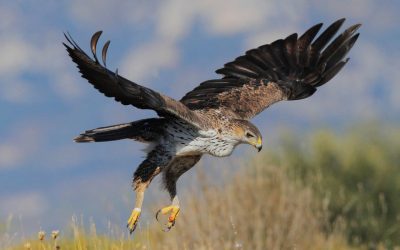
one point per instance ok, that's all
(171, 46)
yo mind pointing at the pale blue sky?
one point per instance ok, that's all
(170, 46)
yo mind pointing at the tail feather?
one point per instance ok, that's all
(146, 130)
(110, 133)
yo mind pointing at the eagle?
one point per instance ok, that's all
(214, 117)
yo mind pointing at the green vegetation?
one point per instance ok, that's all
(356, 174)
(317, 191)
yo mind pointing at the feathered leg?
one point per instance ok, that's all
(156, 160)
(171, 174)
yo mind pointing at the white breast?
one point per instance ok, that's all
(189, 141)
(213, 146)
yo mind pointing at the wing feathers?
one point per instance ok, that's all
(295, 65)
(338, 43)
(341, 52)
(276, 50)
(303, 44)
(323, 39)
(327, 35)
(93, 44)
(329, 74)
(290, 52)
(104, 53)
(290, 68)
(123, 90)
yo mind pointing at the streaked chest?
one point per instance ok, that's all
(186, 140)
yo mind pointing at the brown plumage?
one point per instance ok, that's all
(122, 90)
(287, 69)
(214, 117)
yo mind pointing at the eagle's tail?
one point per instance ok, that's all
(147, 130)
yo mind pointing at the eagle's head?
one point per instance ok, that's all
(246, 132)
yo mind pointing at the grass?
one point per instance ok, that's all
(258, 209)
(321, 191)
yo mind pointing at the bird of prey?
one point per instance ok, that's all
(214, 117)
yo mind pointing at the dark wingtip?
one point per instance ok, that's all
(65, 35)
(338, 23)
(312, 32)
(305, 39)
(341, 20)
(71, 41)
(68, 37)
(327, 35)
(66, 46)
(83, 138)
(353, 28)
(354, 39)
(329, 74)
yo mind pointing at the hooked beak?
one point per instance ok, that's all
(259, 144)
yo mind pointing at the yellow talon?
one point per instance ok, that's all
(174, 211)
(133, 219)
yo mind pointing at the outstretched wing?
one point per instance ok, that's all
(123, 90)
(287, 69)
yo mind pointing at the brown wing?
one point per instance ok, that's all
(287, 69)
(123, 90)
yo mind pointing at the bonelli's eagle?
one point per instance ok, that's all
(214, 117)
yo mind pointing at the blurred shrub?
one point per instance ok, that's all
(356, 173)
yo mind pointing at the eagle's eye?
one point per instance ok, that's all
(249, 135)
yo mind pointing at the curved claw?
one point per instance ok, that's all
(174, 210)
(169, 225)
(93, 43)
(158, 212)
(131, 228)
(133, 220)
